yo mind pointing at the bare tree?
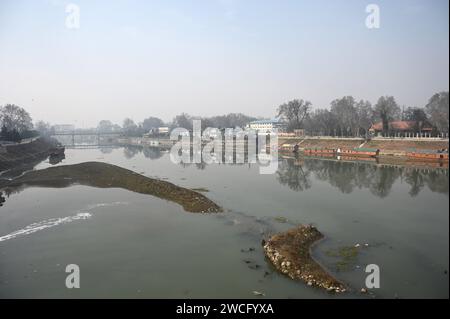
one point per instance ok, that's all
(294, 113)
(105, 126)
(364, 113)
(387, 110)
(437, 110)
(129, 127)
(15, 118)
(321, 122)
(151, 123)
(183, 120)
(345, 112)
(44, 128)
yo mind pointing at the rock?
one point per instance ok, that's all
(258, 293)
(363, 290)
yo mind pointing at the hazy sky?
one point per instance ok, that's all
(160, 58)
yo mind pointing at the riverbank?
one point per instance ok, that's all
(14, 155)
(388, 147)
(103, 175)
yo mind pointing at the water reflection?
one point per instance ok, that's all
(153, 153)
(299, 175)
(131, 151)
(293, 175)
(106, 150)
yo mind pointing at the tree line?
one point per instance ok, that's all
(184, 120)
(346, 116)
(350, 117)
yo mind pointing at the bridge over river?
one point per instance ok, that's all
(84, 139)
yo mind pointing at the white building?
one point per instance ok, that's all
(163, 130)
(266, 126)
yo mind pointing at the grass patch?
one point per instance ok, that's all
(347, 256)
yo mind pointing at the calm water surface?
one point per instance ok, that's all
(134, 245)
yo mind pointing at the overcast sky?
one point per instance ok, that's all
(160, 58)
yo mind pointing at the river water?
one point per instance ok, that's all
(137, 246)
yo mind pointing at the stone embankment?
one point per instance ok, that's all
(387, 146)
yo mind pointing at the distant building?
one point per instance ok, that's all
(403, 129)
(266, 126)
(163, 130)
(64, 128)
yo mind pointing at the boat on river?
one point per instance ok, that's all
(320, 151)
(433, 155)
(359, 152)
(57, 151)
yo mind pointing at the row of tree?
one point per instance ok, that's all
(231, 120)
(184, 120)
(349, 117)
(345, 117)
(129, 127)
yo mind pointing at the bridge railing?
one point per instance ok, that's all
(86, 133)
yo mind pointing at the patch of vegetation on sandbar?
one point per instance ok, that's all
(200, 189)
(105, 175)
(290, 253)
(347, 256)
(281, 219)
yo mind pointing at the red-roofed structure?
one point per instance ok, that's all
(403, 128)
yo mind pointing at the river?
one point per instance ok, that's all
(130, 245)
